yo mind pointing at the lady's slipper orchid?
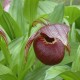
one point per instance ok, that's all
(49, 43)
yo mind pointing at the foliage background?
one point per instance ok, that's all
(17, 25)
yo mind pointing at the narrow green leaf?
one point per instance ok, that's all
(76, 65)
(77, 23)
(73, 33)
(30, 62)
(5, 51)
(30, 10)
(21, 57)
(30, 58)
(18, 55)
(54, 71)
(57, 15)
(6, 73)
(78, 34)
(2, 60)
(37, 74)
(14, 48)
(7, 77)
(10, 26)
(68, 75)
(8, 40)
(1, 10)
(43, 10)
(4, 70)
(71, 13)
(16, 11)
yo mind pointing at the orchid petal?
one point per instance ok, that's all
(59, 31)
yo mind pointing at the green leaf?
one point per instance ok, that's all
(78, 34)
(1, 10)
(77, 23)
(10, 26)
(18, 55)
(76, 65)
(8, 40)
(73, 33)
(30, 61)
(2, 60)
(7, 77)
(30, 10)
(15, 50)
(5, 51)
(43, 10)
(30, 58)
(6, 73)
(71, 13)
(57, 15)
(4, 70)
(16, 11)
(37, 74)
(21, 57)
(54, 71)
(68, 75)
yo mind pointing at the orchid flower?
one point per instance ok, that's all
(49, 43)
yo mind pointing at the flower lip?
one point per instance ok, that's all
(47, 39)
(49, 54)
